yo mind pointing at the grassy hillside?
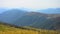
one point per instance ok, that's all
(4, 29)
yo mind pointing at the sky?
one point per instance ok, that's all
(31, 4)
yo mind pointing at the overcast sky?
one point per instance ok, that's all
(34, 4)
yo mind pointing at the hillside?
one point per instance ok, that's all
(6, 29)
(39, 20)
(11, 15)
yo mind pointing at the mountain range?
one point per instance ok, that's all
(32, 19)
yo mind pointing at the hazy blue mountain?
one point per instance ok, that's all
(50, 11)
(11, 15)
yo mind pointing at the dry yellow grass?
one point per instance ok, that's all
(11, 30)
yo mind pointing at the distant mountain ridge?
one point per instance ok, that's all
(50, 11)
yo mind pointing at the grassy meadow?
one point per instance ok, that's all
(4, 29)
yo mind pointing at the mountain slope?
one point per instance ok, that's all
(7, 29)
(29, 18)
(12, 15)
(47, 21)
(38, 20)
